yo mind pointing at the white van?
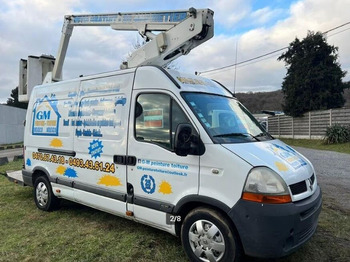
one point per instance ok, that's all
(174, 151)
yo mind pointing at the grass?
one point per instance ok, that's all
(78, 233)
(74, 232)
(318, 144)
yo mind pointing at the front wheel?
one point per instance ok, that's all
(207, 236)
(43, 196)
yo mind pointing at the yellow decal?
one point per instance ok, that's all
(60, 170)
(104, 167)
(190, 81)
(56, 142)
(109, 180)
(281, 166)
(165, 188)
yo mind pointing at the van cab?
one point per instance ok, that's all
(174, 151)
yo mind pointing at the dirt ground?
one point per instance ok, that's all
(333, 175)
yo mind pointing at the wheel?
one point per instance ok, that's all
(207, 236)
(43, 196)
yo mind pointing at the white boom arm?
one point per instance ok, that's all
(180, 32)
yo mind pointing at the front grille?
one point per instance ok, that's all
(301, 186)
(298, 188)
(312, 179)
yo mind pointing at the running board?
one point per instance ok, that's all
(15, 177)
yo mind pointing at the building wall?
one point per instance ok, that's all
(11, 124)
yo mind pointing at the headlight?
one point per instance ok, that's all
(263, 185)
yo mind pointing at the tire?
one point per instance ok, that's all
(207, 235)
(44, 198)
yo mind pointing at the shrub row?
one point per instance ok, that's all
(336, 134)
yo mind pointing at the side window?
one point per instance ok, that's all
(178, 117)
(157, 117)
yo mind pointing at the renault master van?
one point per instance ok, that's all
(174, 151)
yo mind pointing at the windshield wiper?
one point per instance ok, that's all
(237, 134)
(264, 134)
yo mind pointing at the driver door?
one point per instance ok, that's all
(159, 177)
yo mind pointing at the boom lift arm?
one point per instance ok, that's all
(178, 33)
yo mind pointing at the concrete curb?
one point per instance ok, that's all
(10, 147)
(3, 160)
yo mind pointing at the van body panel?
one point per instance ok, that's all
(66, 192)
(222, 174)
(100, 202)
(45, 129)
(150, 77)
(100, 132)
(154, 219)
(108, 141)
(281, 158)
(195, 83)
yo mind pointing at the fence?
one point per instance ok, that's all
(312, 125)
(11, 124)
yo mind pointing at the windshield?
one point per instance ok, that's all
(225, 119)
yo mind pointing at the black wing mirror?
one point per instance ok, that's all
(186, 142)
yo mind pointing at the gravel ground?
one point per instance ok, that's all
(333, 174)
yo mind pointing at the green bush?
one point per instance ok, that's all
(337, 134)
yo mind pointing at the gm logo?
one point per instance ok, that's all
(43, 115)
(46, 117)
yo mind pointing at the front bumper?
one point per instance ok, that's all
(276, 230)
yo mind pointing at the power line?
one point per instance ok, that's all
(334, 28)
(245, 64)
(242, 62)
(266, 54)
(340, 32)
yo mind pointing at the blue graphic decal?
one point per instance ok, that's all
(46, 117)
(72, 94)
(148, 184)
(28, 162)
(167, 168)
(95, 148)
(288, 154)
(121, 101)
(65, 122)
(70, 173)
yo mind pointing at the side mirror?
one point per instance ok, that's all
(186, 142)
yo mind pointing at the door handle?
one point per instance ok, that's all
(124, 160)
(131, 160)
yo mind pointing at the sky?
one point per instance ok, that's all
(248, 28)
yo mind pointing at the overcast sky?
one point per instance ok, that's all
(33, 27)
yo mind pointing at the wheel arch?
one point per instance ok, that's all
(40, 171)
(188, 203)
